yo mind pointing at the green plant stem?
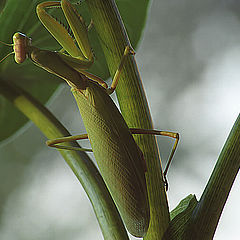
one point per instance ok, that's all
(134, 107)
(209, 209)
(84, 169)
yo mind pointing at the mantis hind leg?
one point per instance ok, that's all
(162, 133)
(57, 143)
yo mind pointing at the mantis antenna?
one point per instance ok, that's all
(11, 53)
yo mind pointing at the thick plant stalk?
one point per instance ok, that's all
(208, 211)
(108, 217)
(113, 38)
(133, 104)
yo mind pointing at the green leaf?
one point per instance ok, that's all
(180, 219)
(20, 16)
(134, 14)
(183, 205)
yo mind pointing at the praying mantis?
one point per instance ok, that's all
(120, 160)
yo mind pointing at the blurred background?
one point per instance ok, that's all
(189, 62)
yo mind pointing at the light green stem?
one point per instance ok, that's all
(108, 217)
(133, 104)
(206, 216)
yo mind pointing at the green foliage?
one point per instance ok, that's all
(183, 206)
(20, 16)
(190, 219)
(180, 218)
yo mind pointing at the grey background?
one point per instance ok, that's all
(189, 62)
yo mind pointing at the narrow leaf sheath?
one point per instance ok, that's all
(118, 157)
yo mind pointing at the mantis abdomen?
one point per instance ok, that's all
(119, 158)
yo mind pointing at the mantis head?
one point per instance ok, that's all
(20, 44)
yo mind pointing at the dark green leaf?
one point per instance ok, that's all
(20, 16)
(180, 219)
